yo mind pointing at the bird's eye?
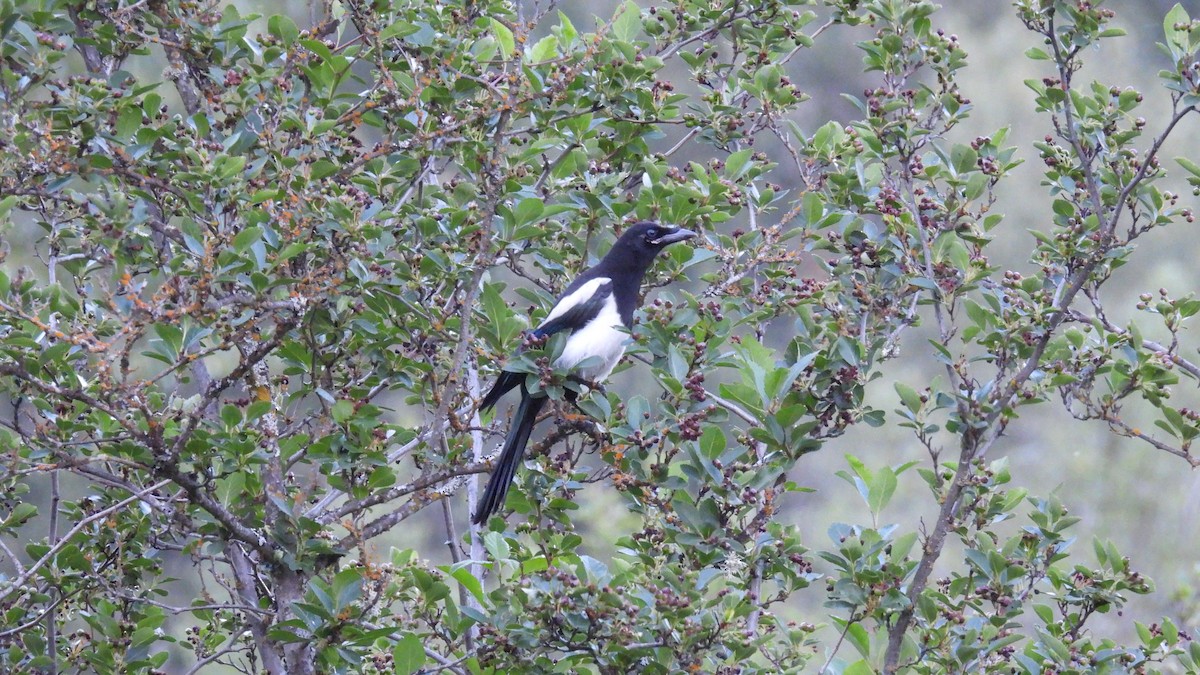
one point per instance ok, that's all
(652, 233)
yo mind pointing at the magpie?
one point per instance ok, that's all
(594, 308)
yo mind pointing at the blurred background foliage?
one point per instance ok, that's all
(1148, 503)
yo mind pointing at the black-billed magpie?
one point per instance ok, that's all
(594, 308)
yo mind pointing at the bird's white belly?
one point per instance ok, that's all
(602, 337)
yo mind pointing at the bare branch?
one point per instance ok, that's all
(243, 574)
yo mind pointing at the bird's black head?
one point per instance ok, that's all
(643, 240)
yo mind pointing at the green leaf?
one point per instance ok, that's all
(247, 237)
(860, 469)
(627, 22)
(461, 572)
(544, 50)
(171, 336)
(398, 29)
(566, 28)
(712, 442)
(860, 667)
(1189, 165)
(532, 565)
(908, 396)
(595, 571)
(6, 205)
(528, 211)
(860, 639)
(20, 513)
(231, 488)
(902, 545)
(881, 489)
(409, 655)
(290, 251)
(813, 208)
(1059, 649)
(342, 411)
(737, 164)
(829, 135)
(322, 168)
(226, 167)
(1169, 631)
(347, 587)
(282, 27)
(231, 415)
(1176, 39)
(504, 36)
(129, 121)
(381, 477)
(496, 545)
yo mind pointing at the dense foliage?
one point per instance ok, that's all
(274, 262)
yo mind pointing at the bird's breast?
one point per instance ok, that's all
(602, 337)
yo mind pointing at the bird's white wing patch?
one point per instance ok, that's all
(602, 336)
(581, 294)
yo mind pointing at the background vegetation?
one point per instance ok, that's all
(258, 267)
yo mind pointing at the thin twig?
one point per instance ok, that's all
(100, 515)
(733, 408)
(52, 614)
(15, 630)
(754, 593)
(837, 645)
(233, 646)
(473, 486)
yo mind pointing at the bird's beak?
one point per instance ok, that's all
(674, 236)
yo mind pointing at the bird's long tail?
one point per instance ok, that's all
(514, 448)
(506, 382)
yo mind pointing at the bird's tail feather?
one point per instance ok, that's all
(514, 449)
(505, 383)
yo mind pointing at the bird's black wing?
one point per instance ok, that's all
(575, 309)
